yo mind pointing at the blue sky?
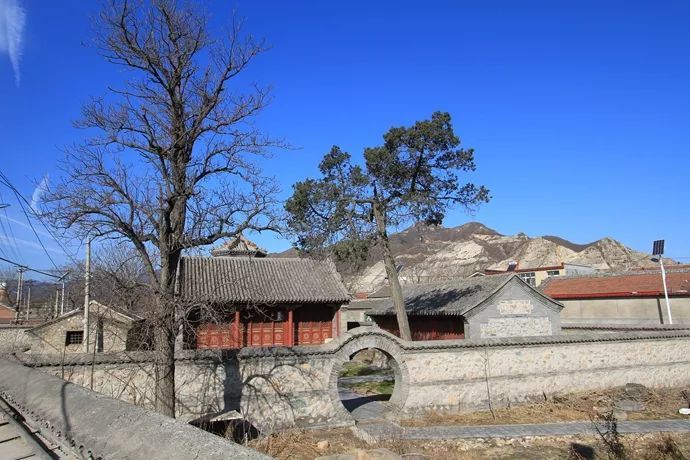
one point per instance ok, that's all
(579, 111)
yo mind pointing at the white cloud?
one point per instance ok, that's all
(25, 225)
(40, 189)
(12, 21)
(26, 245)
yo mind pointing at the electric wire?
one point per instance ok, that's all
(28, 219)
(52, 234)
(9, 234)
(27, 268)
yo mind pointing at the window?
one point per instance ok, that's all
(551, 273)
(74, 337)
(529, 278)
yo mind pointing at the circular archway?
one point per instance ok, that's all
(376, 340)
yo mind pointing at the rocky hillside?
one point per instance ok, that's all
(437, 253)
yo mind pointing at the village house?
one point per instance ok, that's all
(480, 307)
(535, 276)
(623, 298)
(111, 330)
(241, 298)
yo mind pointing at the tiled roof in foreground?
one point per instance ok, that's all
(448, 298)
(260, 280)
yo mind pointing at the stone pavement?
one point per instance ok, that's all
(373, 407)
(373, 422)
(383, 430)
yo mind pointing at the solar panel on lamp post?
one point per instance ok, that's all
(658, 250)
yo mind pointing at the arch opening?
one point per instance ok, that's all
(369, 377)
(367, 382)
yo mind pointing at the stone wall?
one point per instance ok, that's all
(516, 311)
(79, 423)
(14, 339)
(50, 338)
(280, 387)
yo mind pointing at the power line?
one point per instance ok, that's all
(9, 236)
(35, 270)
(21, 198)
(28, 219)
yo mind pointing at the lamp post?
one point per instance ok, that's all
(658, 250)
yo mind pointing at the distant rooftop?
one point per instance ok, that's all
(645, 283)
(237, 247)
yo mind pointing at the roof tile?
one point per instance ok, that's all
(618, 285)
(260, 280)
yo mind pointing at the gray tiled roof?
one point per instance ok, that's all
(260, 280)
(448, 298)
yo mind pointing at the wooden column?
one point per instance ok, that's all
(290, 341)
(236, 327)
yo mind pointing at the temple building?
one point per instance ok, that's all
(241, 298)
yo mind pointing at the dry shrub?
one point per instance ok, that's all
(286, 444)
(611, 438)
(663, 448)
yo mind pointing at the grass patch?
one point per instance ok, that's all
(373, 388)
(358, 369)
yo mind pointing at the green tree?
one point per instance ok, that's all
(412, 177)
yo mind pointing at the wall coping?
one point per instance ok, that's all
(329, 349)
(627, 327)
(93, 425)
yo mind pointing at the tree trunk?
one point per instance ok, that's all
(165, 370)
(164, 335)
(393, 281)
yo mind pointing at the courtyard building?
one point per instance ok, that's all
(535, 276)
(240, 298)
(111, 330)
(480, 307)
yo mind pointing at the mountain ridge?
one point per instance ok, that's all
(429, 253)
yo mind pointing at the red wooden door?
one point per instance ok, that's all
(215, 335)
(313, 325)
(266, 334)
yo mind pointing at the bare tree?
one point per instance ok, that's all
(169, 164)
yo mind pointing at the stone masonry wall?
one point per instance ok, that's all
(14, 339)
(515, 311)
(51, 337)
(281, 387)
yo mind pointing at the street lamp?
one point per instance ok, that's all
(658, 250)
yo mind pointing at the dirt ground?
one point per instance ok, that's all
(658, 403)
(299, 445)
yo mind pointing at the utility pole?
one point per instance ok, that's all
(20, 284)
(62, 300)
(87, 300)
(658, 250)
(663, 278)
(28, 301)
(57, 300)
